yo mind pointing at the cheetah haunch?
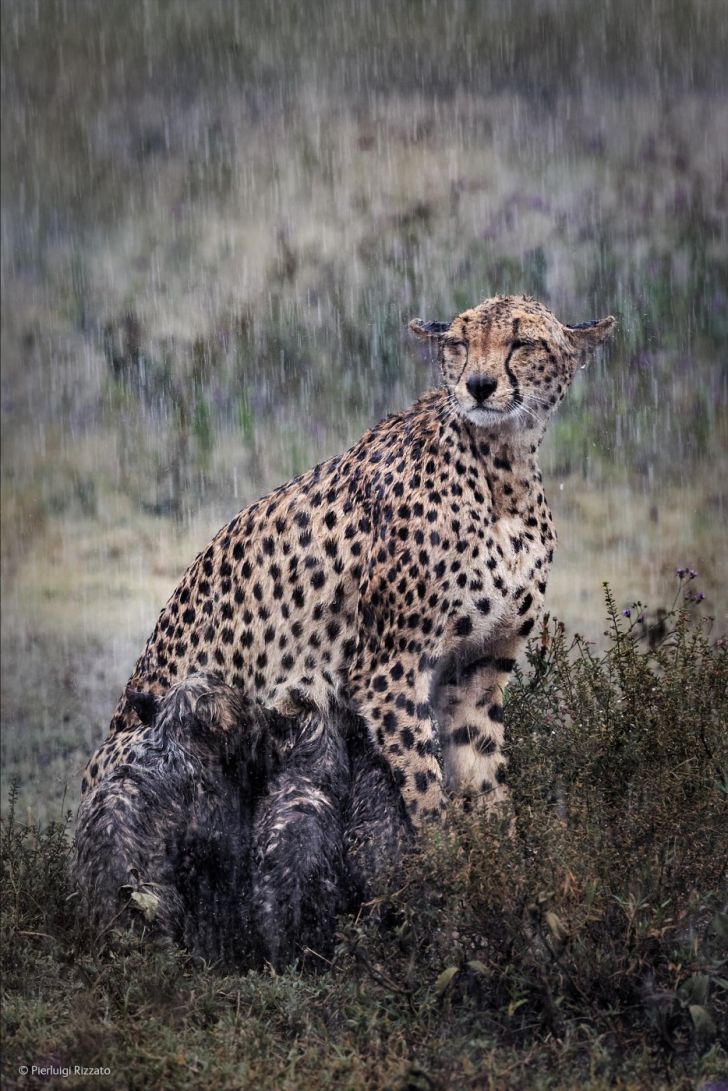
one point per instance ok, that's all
(236, 832)
(398, 579)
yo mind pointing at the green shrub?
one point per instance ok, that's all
(609, 904)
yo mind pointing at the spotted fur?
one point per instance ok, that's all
(398, 579)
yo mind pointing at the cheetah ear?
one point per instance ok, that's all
(589, 335)
(428, 330)
(145, 705)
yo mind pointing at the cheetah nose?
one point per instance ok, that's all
(481, 387)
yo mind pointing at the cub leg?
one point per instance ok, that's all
(377, 830)
(298, 864)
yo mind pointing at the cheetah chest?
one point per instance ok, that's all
(508, 586)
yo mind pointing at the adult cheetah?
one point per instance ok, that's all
(398, 579)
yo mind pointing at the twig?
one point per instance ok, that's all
(378, 975)
(115, 918)
(711, 756)
(387, 897)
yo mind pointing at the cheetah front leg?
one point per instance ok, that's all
(468, 700)
(394, 700)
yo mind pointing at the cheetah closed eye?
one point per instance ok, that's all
(398, 579)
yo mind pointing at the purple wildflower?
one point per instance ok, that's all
(626, 613)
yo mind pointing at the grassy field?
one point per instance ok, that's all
(586, 952)
(216, 222)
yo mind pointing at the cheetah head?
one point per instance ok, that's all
(509, 361)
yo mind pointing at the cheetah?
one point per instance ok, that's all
(237, 833)
(330, 827)
(167, 838)
(398, 580)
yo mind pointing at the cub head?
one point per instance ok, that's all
(509, 361)
(201, 712)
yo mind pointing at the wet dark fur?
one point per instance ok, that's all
(251, 830)
(175, 822)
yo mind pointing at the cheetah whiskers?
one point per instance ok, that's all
(528, 411)
(448, 412)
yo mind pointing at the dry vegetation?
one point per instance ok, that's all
(587, 951)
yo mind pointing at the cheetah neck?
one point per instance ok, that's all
(506, 458)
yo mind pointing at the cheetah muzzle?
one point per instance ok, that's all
(399, 580)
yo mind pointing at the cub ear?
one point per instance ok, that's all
(588, 335)
(428, 330)
(146, 705)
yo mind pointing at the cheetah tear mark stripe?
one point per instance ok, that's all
(517, 396)
(467, 355)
